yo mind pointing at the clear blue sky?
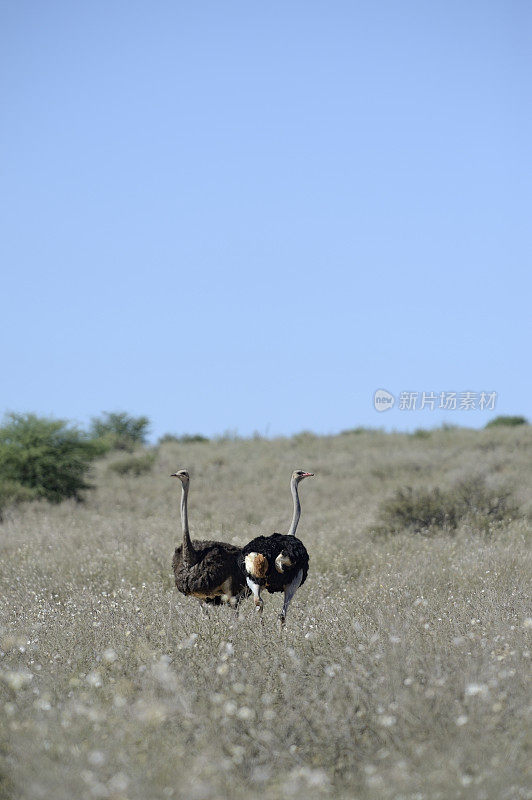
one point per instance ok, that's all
(250, 215)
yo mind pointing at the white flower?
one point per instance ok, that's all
(461, 720)
(190, 641)
(119, 701)
(151, 713)
(96, 758)
(260, 774)
(164, 675)
(94, 679)
(245, 713)
(109, 655)
(16, 680)
(312, 777)
(474, 689)
(387, 720)
(99, 790)
(119, 783)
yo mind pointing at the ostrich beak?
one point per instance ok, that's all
(308, 475)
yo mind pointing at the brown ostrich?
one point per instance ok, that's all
(205, 569)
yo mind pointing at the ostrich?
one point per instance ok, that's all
(278, 562)
(207, 570)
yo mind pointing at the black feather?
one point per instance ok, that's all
(216, 563)
(271, 547)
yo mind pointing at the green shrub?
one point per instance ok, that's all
(421, 433)
(423, 510)
(44, 456)
(133, 465)
(304, 437)
(167, 438)
(360, 429)
(186, 438)
(193, 438)
(229, 435)
(119, 430)
(509, 422)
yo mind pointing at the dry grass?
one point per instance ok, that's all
(402, 672)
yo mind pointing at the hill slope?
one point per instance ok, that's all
(401, 672)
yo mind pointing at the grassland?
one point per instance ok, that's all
(402, 672)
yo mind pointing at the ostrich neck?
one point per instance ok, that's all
(189, 554)
(297, 508)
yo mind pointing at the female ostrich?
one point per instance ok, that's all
(207, 570)
(278, 562)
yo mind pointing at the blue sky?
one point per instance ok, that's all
(250, 216)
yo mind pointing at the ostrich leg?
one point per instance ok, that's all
(257, 599)
(289, 592)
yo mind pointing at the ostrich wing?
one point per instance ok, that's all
(215, 573)
(271, 546)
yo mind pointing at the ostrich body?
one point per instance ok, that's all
(205, 569)
(278, 563)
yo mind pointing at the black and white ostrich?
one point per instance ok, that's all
(205, 569)
(278, 563)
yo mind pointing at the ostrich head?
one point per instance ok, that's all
(256, 565)
(283, 560)
(183, 476)
(298, 475)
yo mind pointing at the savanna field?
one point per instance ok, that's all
(402, 672)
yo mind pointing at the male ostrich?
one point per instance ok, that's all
(207, 570)
(278, 562)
